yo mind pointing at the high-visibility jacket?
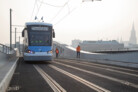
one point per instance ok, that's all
(57, 51)
(78, 49)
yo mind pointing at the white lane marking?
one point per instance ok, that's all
(53, 84)
(111, 67)
(104, 65)
(108, 69)
(103, 76)
(93, 64)
(83, 81)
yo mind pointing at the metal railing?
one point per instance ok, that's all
(5, 49)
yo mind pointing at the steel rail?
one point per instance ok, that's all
(108, 69)
(103, 76)
(52, 83)
(79, 79)
(91, 63)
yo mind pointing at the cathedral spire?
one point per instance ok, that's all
(133, 39)
(133, 27)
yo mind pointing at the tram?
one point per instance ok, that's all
(37, 41)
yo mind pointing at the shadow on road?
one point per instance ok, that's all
(37, 62)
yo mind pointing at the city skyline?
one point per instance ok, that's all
(106, 20)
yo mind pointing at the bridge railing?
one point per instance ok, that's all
(5, 49)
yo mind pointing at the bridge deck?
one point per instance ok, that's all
(72, 76)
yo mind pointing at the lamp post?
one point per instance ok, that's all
(15, 37)
(10, 29)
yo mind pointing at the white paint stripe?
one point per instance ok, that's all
(91, 63)
(53, 84)
(83, 81)
(108, 69)
(103, 76)
(111, 67)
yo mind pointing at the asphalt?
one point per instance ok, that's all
(112, 66)
(105, 83)
(105, 71)
(27, 79)
(66, 82)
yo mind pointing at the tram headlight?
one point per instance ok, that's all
(29, 51)
(49, 52)
(32, 52)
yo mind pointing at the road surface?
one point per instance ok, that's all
(63, 75)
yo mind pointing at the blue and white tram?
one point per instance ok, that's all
(37, 41)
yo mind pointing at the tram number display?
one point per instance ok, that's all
(40, 28)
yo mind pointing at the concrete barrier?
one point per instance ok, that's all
(128, 59)
(3, 59)
(7, 68)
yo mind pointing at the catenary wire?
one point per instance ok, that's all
(59, 11)
(51, 4)
(39, 8)
(66, 15)
(33, 9)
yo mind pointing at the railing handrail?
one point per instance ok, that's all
(6, 49)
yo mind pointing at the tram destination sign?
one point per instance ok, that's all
(40, 28)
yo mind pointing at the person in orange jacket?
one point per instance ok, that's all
(78, 51)
(57, 52)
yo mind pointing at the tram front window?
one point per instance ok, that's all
(39, 39)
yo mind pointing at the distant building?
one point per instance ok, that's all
(126, 44)
(75, 43)
(101, 45)
(133, 39)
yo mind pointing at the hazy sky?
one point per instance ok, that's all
(106, 19)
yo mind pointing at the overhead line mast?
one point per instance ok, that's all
(10, 29)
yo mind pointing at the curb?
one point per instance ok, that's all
(5, 82)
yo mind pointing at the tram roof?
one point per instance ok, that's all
(37, 23)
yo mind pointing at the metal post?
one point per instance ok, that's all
(10, 28)
(15, 37)
(3, 48)
(19, 44)
(6, 49)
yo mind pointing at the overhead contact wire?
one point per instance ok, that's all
(33, 9)
(59, 11)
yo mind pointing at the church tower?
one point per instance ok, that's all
(133, 39)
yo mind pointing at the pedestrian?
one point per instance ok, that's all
(78, 51)
(57, 52)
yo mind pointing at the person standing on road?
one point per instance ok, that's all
(78, 51)
(57, 52)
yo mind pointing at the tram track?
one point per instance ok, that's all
(112, 67)
(57, 88)
(104, 65)
(124, 82)
(103, 68)
(81, 80)
(63, 75)
(53, 84)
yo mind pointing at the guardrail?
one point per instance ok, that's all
(5, 49)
